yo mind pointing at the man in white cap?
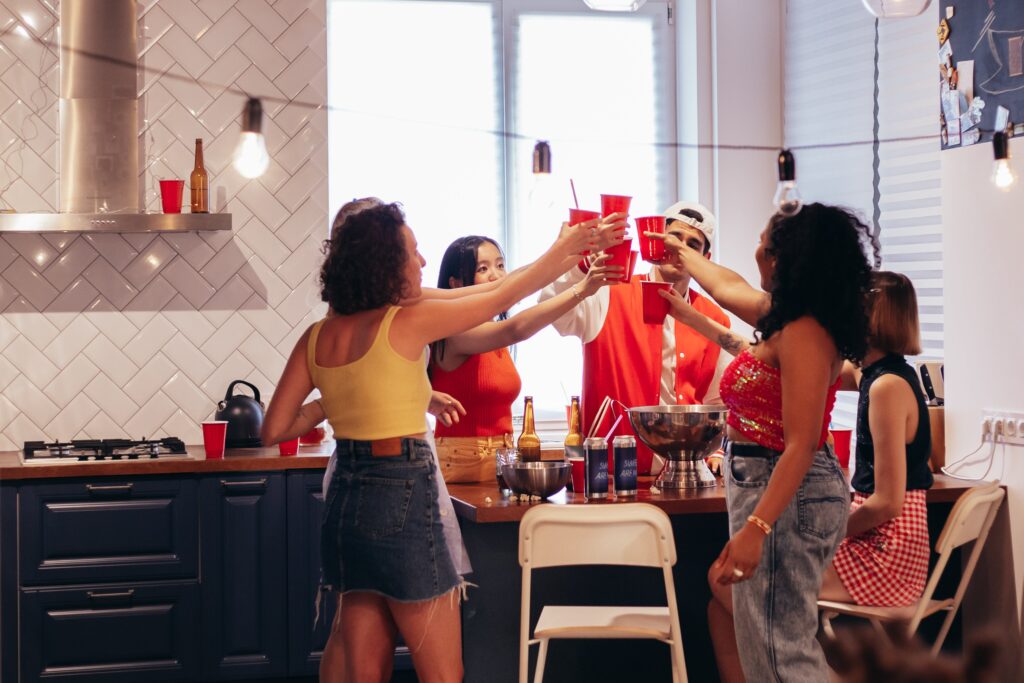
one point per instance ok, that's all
(639, 364)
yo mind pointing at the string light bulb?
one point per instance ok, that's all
(787, 195)
(1003, 175)
(542, 157)
(251, 158)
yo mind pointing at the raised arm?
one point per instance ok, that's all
(712, 330)
(725, 286)
(523, 325)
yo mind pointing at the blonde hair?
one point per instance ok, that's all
(350, 209)
(893, 325)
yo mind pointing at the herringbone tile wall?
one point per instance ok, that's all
(139, 335)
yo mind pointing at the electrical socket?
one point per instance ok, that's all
(1006, 426)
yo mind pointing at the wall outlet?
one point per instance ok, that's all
(1005, 425)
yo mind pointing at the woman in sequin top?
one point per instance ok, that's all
(787, 497)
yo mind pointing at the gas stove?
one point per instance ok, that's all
(101, 450)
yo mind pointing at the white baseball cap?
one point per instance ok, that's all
(707, 226)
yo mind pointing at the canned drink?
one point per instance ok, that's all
(624, 455)
(595, 467)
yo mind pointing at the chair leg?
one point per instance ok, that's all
(678, 662)
(542, 655)
(826, 624)
(943, 632)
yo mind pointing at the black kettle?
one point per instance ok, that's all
(244, 415)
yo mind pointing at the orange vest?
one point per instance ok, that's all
(624, 361)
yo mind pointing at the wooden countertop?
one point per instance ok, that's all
(482, 503)
(235, 460)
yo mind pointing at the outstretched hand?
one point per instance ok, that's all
(599, 274)
(445, 407)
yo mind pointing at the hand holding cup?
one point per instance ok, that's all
(599, 275)
(611, 230)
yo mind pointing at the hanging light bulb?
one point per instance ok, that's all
(251, 158)
(896, 9)
(614, 5)
(787, 196)
(542, 157)
(1003, 175)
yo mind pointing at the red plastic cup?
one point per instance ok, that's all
(577, 475)
(170, 195)
(214, 433)
(651, 249)
(314, 437)
(614, 203)
(289, 447)
(841, 444)
(656, 307)
(577, 216)
(620, 256)
(633, 258)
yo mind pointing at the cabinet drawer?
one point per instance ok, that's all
(119, 632)
(108, 530)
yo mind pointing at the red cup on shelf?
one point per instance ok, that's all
(576, 472)
(170, 195)
(620, 256)
(615, 203)
(656, 306)
(214, 434)
(652, 250)
(289, 447)
(841, 445)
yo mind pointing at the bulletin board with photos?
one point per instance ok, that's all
(981, 69)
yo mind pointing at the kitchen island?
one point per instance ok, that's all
(490, 527)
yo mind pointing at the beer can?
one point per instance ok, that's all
(595, 467)
(624, 455)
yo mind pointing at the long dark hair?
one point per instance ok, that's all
(365, 262)
(459, 262)
(821, 271)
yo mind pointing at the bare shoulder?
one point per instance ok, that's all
(890, 388)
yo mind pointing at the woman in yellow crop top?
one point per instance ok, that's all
(381, 543)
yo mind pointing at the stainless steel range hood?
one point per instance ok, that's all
(99, 138)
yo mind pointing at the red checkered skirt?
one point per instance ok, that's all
(888, 565)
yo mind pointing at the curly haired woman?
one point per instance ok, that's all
(787, 497)
(382, 535)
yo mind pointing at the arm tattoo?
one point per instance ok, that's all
(731, 342)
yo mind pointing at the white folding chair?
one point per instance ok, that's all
(635, 534)
(969, 520)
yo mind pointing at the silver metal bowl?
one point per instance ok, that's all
(684, 436)
(536, 478)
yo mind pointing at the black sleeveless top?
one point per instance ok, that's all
(918, 474)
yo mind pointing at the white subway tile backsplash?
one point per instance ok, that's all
(139, 335)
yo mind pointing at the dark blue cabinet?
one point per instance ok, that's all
(244, 585)
(305, 640)
(110, 632)
(8, 583)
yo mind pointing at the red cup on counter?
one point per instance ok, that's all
(656, 306)
(652, 250)
(620, 256)
(314, 437)
(214, 434)
(576, 472)
(615, 203)
(841, 445)
(170, 195)
(289, 447)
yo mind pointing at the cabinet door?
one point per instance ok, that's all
(108, 529)
(305, 509)
(244, 591)
(111, 632)
(8, 583)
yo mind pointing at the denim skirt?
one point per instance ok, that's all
(381, 530)
(775, 611)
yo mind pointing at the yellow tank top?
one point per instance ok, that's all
(377, 396)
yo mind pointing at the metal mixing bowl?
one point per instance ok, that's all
(683, 435)
(536, 478)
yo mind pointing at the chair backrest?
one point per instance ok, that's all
(635, 534)
(971, 516)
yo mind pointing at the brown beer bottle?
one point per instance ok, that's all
(574, 439)
(529, 442)
(199, 182)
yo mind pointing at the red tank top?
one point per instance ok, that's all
(752, 390)
(486, 384)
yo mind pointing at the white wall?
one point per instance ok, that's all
(139, 335)
(983, 235)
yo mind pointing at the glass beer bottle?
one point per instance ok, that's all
(529, 442)
(199, 183)
(574, 439)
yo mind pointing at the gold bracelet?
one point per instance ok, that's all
(760, 524)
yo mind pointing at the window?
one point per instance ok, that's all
(418, 114)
